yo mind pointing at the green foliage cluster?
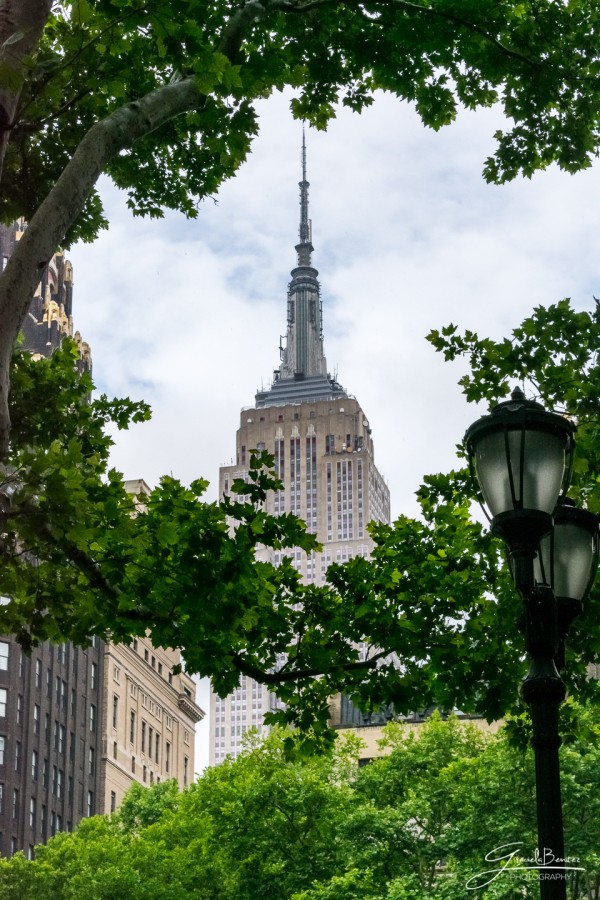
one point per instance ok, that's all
(80, 556)
(538, 59)
(434, 605)
(416, 823)
(553, 355)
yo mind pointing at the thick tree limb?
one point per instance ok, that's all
(21, 25)
(65, 201)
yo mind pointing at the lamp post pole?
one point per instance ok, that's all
(543, 690)
(521, 459)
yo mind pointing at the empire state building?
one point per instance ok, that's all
(321, 440)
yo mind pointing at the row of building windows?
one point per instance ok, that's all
(152, 661)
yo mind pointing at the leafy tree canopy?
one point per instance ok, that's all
(434, 605)
(161, 95)
(414, 824)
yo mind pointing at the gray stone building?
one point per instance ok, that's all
(79, 725)
(324, 455)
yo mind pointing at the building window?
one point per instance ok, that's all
(186, 764)
(92, 717)
(91, 760)
(17, 756)
(3, 655)
(167, 756)
(34, 765)
(160, 668)
(133, 764)
(90, 803)
(48, 683)
(19, 709)
(2, 749)
(115, 711)
(38, 673)
(36, 719)
(59, 785)
(144, 773)
(15, 809)
(156, 748)
(143, 736)
(117, 674)
(115, 750)
(150, 732)
(3, 696)
(186, 737)
(32, 813)
(45, 773)
(1, 798)
(132, 727)
(113, 801)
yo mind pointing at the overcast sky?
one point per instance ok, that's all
(407, 237)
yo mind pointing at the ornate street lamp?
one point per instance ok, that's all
(567, 560)
(521, 457)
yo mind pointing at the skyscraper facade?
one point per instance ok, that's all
(321, 440)
(79, 725)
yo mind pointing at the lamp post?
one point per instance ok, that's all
(521, 458)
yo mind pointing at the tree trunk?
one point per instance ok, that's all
(21, 26)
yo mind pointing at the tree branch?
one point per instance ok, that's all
(81, 560)
(246, 668)
(465, 23)
(21, 25)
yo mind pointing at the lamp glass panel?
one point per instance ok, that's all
(573, 557)
(537, 486)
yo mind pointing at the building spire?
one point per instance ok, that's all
(305, 248)
(303, 370)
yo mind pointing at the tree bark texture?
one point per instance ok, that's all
(21, 25)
